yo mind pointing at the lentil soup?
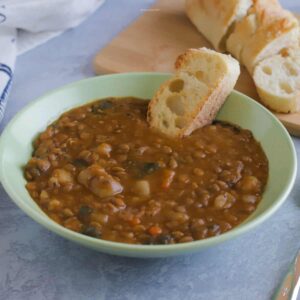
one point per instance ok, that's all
(101, 171)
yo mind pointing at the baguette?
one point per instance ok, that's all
(277, 80)
(264, 32)
(214, 18)
(192, 97)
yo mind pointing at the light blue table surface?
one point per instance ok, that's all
(37, 264)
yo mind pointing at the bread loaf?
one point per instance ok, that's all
(247, 26)
(214, 18)
(192, 97)
(264, 32)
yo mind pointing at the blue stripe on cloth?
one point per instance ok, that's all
(3, 94)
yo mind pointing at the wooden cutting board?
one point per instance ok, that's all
(153, 42)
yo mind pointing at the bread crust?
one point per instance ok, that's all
(213, 18)
(265, 31)
(206, 106)
(277, 103)
(262, 33)
(277, 81)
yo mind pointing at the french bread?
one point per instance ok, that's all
(264, 32)
(214, 18)
(277, 80)
(192, 97)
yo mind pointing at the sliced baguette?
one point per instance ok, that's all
(193, 96)
(277, 80)
(247, 26)
(264, 32)
(214, 18)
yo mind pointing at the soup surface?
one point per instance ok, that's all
(101, 171)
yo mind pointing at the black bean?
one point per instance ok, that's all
(85, 209)
(163, 239)
(213, 227)
(105, 104)
(34, 172)
(149, 167)
(91, 231)
(84, 213)
(102, 105)
(139, 170)
(80, 163)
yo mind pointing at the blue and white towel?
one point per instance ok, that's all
(24, 24)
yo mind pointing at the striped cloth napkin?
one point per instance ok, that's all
(24, 24)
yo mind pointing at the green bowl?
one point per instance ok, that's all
(16, 149)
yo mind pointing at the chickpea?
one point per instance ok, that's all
(43, 164)
(61, 177)
(250, 184)
(183, 178)
(167, 149)
(198, 172)
(124, 148)
(224, 201)
(199, 145)
(121, 157)
(220, 202)
(199, 154)
(177, 234)
(251, 199)
(85, 136)
(180, 208)
(73, 224)
(99, 217)
(173, 163)
(68, 212)
(54, 205)
(136, 200)
(44, 196)
(212, 149)
(179, 217)
(104, 150)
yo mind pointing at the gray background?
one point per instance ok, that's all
(37, 264)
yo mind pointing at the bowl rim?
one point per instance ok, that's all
(99, 244)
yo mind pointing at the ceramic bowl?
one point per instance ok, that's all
(16, 149)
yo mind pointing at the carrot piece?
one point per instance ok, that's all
(135, 221)
(168, 176)
(155, 230)
(31, 186)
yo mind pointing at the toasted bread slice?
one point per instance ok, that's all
(195, 93)
(264, 32)
(277, 80)
(214, 18)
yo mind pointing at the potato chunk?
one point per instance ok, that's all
(99, 182)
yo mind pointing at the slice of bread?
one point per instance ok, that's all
(277, 80)
(247, 26)
(214, 18)
(195, 93)
(264, 32)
